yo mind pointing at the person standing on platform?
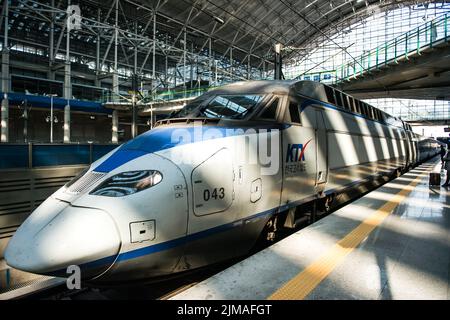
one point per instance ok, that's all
(446, 159)
(442, 153)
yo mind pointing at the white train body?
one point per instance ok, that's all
(209, 187)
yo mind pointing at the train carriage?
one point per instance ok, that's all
(204, 185)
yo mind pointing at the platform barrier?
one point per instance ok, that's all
(15, 156)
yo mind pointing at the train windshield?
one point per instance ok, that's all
(231, 107)
(188, 109)
(221, 106)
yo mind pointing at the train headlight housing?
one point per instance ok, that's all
(127, 183)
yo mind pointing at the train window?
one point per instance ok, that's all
(230, 106)
(364, 109)
(349, 103)
(367, 110)
(371, 113)
(270, 112)
(357, 106)
(338, 99)
(352, 104)
(188, 109)
(330, 94)
(294, 112)
(345, 99)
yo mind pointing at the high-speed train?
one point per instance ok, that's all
(233, 165)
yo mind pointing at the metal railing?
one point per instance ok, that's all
(412, 42)
(180, 94)
(167, 95)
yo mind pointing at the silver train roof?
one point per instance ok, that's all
(308, 88)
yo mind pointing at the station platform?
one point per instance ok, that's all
(392, 243)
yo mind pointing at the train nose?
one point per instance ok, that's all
(75, 236)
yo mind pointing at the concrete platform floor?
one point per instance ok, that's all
(393, 243)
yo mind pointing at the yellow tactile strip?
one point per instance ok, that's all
(307, 280)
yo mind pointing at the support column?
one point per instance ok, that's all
(115, 80)
(154, 53)
(210, 63)
(278, 73)
(248, 67)
(5, 119)
(115, 126)
(231, 64)
(135, 84)
(98, 83)
(51, 45)
(191, 70)
(134, 130)
(25, 122)
(263, 73)
(4, 110)
(67, 96)
(166, 75)
(115, 85)
(184, 63)
(5, 101)
(215, 73)
(175, 75)
(115, 115)
(67, 84)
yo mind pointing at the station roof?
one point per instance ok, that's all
(250, 27)
(256, 25)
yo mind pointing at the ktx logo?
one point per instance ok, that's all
(296, 152)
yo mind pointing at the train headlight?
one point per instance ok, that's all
(127, 183)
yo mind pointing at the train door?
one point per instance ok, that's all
(298, 153)
(406, 145)
(321, 152)
(213, 210)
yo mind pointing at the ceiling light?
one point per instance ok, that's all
(219, 20)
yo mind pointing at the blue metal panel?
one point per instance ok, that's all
(43, 155)
(55, 155)
(58, 103)
(13, 156)
(99, 150)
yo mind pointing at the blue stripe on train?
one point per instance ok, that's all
(133, 254)
(164, 138)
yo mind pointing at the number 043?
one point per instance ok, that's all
(216, 193)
